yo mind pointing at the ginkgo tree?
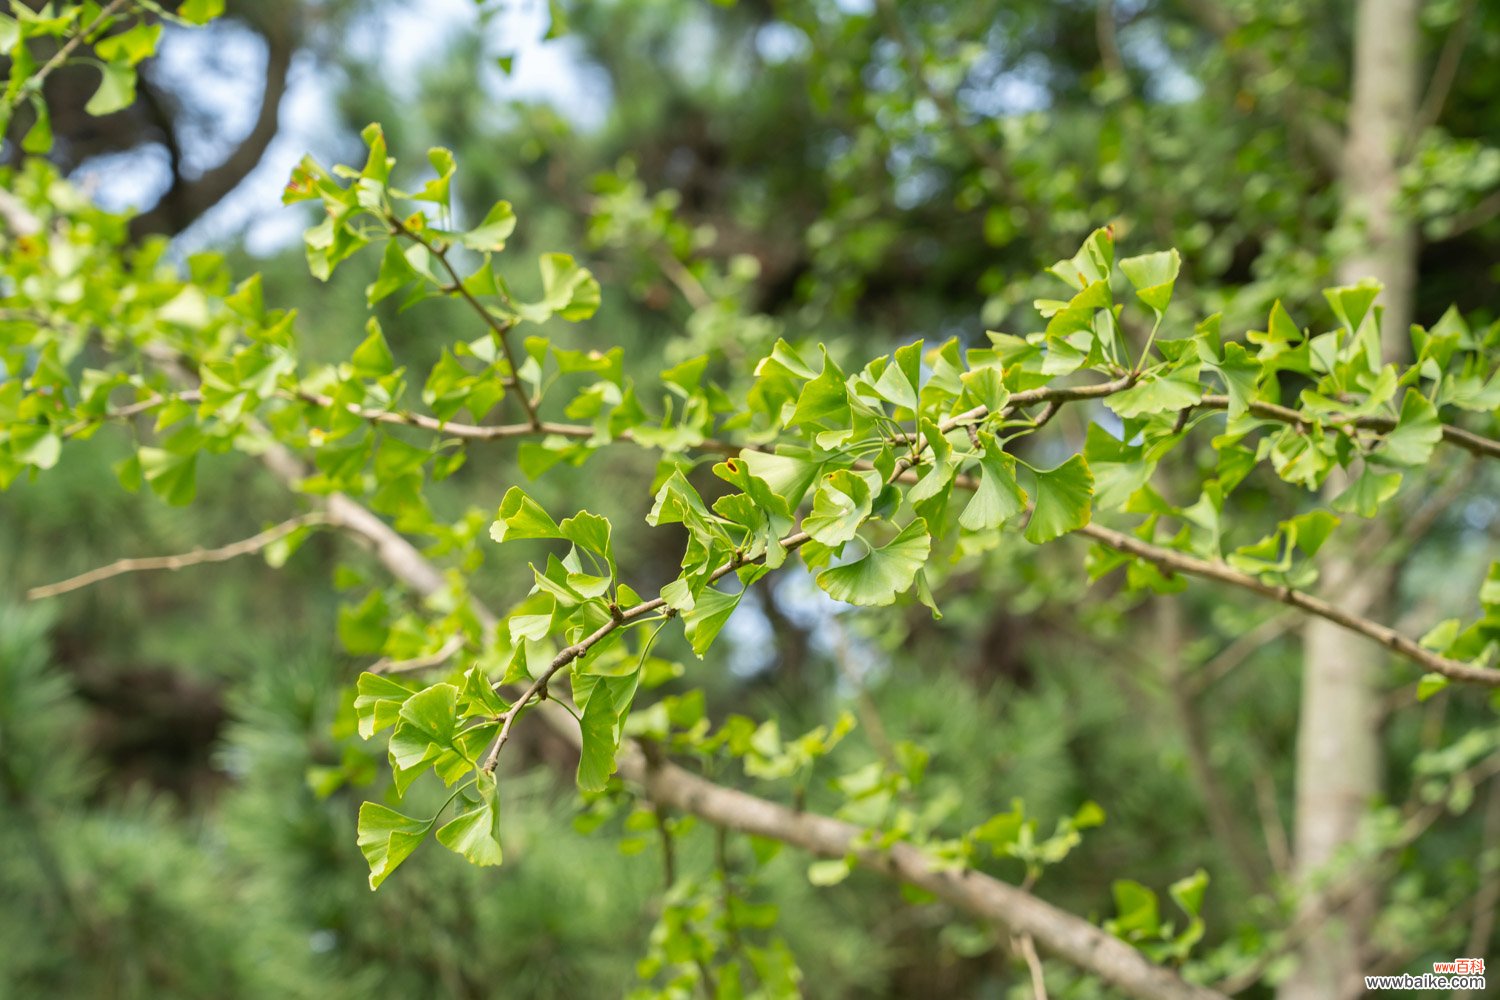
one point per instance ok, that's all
(875, 481)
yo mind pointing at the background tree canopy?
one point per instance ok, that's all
(814, 497)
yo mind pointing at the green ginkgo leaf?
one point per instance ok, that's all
(568, 290)
(493, 231)
(475, 831)
(787, 476)
(824, 400)
(999, 497)
(386, 838)
(1157, 392)
(378, 702)
(522, 517)
(1417, 432)
(372, 358)
(707, 617)
(882, 573)
(172, 474)
(840, 506)
(425, 726)
(116, 89)
(602, 727)
(1153, 275)
(1062, 500)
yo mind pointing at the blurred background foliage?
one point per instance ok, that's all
(859, 173)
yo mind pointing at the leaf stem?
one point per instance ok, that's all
(500, 329)
(33, 84)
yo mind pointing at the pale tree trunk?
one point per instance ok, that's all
(1338, 738)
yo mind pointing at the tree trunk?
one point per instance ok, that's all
(1338, 739)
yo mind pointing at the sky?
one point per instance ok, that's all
(222, 67)
(225, 66)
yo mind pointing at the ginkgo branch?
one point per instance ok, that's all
(437, 658)
(1180, 562)
(196, 557)
(1061, 933)
(34, 80)
(500, 329)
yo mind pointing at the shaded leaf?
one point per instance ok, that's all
(882, 573)
(1062, 500)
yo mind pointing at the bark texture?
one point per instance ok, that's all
(1338, 739)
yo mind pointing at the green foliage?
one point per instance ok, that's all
(62, 33)
(855, 447)
(881, 483)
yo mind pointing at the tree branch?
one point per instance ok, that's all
(1178, 562)
(187, 199)
(1486, 209)
(1444, 72)
(444, 653)
(1052, 396)
(1027, 948)
(501, 330)
(196, 557)
(1069, 937)
(1469, 441)
(1076, 941)
(34, 81)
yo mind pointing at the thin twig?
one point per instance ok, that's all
(1105, 35)
(1247, 643)
(1027, 948)
(1223, 818)
(486, 432)
(686, 281)
(34, 82)
(444, 653)
(623, 617)
(1444, 72)
(1048, 412)
(1179, 562)
(1278, 845)
(1052, 396)
(1483, 211)
(669, 876)
(726, 887)
(196, 557)
(132, 410)
(1467, 440)
(668, 849)
(501, 330)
